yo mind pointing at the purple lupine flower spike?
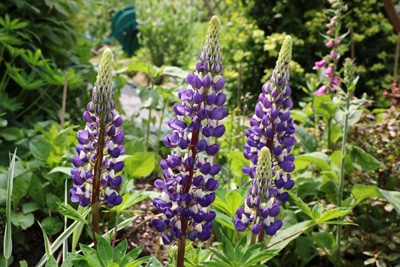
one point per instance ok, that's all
(187, 189)
(96, 166)
(269, 142)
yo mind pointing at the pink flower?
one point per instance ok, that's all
(334, 82)
(329, 71)
(319, 64)
(329, 44)
(321, 91)
(334, 54)
(330, 31)
(338, 41)
(330, 24)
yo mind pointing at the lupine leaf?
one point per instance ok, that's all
(70, 212)
(233, 199)
(153, 262)
(120, 250)
(91, 255)
(105, 252)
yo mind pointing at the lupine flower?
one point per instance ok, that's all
(189, 171)
(333, 42)
(95, 172)
(269, 142)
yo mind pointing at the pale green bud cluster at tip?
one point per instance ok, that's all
(264, 164)
(281, 73)
(210, 59)
(102, 93)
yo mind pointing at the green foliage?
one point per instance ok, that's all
(167, 31)
(242, 254)
(106, 256)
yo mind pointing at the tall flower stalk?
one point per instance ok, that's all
(187, 190)
(96, 166)
(269, 143)
(328, 64)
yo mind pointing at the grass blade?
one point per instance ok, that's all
(7, 245)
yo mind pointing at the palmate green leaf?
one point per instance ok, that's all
(120, 250)
(220, 200)
(70, 212)
(228, 249)
(128, 200)
(234, 200)
(91, 255)
(105, 252)
(153, 262)
(131, 257)
(224, 220)
(251, 251)
(220, 258)
(259, 257)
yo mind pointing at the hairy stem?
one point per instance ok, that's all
(96, 182)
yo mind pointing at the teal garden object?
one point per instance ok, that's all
(124, 29)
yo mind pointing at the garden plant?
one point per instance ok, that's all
(238, 161)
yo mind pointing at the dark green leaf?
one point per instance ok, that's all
(393, 197)
(318, 158)
(22, 220)
(362, 192)
(362, 160)
(308, 139)
(52, 225)
(91, 255)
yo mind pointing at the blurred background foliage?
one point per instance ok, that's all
(45, 44)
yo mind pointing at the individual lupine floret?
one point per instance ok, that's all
(269, 142)
(189, 171)
(95, 172)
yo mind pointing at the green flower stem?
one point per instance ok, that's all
(341, 175)
(148, 128)
(161, 120)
